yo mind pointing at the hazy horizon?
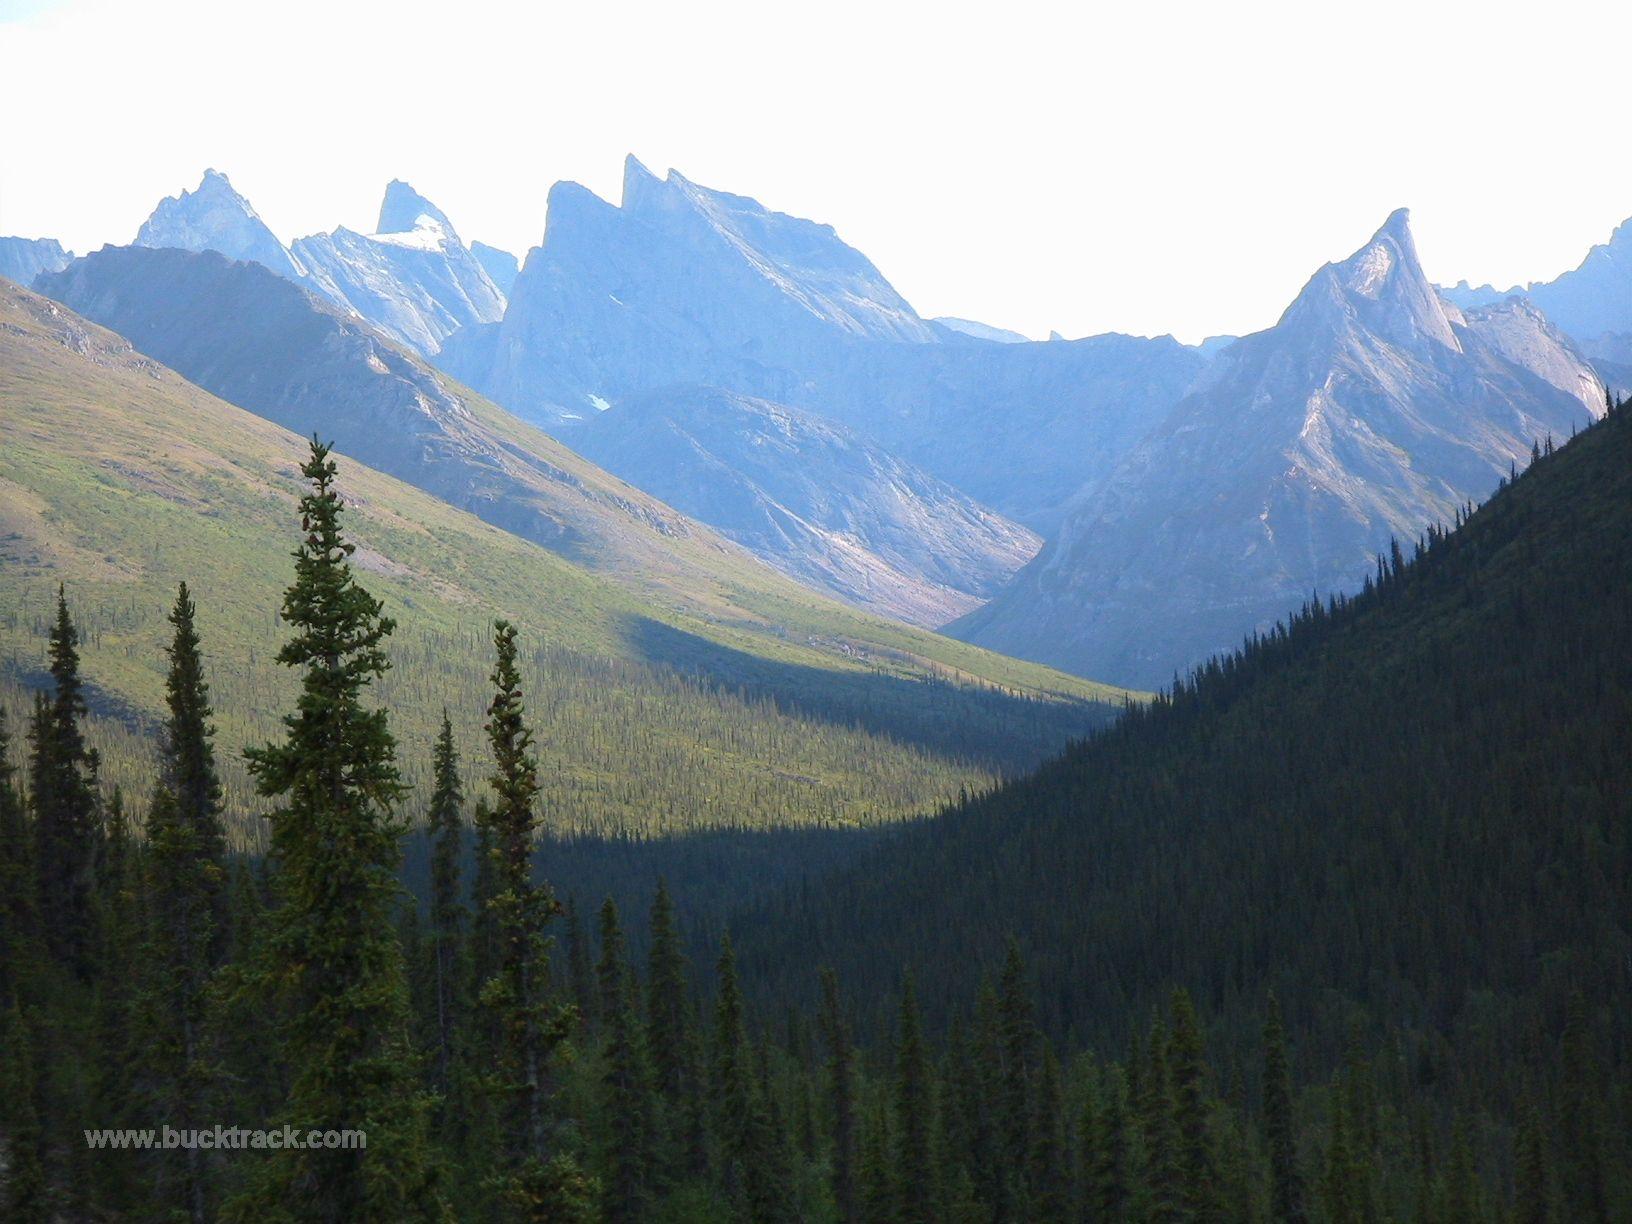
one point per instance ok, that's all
(1053, 171)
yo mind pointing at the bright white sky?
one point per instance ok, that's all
(1140, 167)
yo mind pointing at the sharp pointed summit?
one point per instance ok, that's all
(215, 217)
(404, 210)
(1372, 409)
(413, 279)
(679, 284)
(1381, 288)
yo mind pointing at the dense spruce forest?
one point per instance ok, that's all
(1335, 930)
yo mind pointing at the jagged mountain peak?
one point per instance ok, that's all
(215, 216)
(216, 180)
(215, 189)
(404, 210)
(1380, 290)
(638, 183)
(22, 259)
(1372, 408)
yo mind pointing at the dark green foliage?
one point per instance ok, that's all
(1048, 1193)
(186, 852)
(916, 1191)
(1532, 1181)
(580, 970)
(332, 965)
(1015, 1049)
(1106, 1167)
(19, 925)
(445, 820)
(1280, 1129)
(627, 1159)
(67, 812)
(1407, 810)
(1197, 1162)
(1499, 1094)
(537, 1177)
(666, 1000)
(24, 1194)
(841, 1087)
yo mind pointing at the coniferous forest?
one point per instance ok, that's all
(1336, 929)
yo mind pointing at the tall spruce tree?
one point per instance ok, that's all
(540, 1180)
(332, 960)
(1531, 1189)
(914, 1122)
(1580, 1127)
(841, 1080)
(187, 856)
(446, 824)
(628, 1121)
(750, 1164)
(67, 813)
(1280, 1133)
(24, 1190)
(1048, 1188)
(117, 1047)
(1017, 1035)
(1198, 1161)
(1161, 1178)
(580, 965)
(666, 1000)
(729, 1080)
(1107, 1170)
(19, 928)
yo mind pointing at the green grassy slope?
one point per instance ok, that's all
(738, 700)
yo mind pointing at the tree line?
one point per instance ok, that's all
(156, 978)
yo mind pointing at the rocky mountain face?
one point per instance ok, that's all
(22, 259)
(269, 346)
(1592, 301)
(681, 285)
(1020, 427)
(214, 217)
(979, 331)
(501, 267)
(413, 278)
(1373, 408)
(812, 499)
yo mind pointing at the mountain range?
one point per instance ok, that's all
(812, 498)
(1372, 409)
(1406, 808)
(1116, 505)
(22, 259)
(1592, 302)
(684, 285)
(747, 700)
(821, 505)
(413, 279)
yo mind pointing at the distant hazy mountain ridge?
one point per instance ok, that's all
(413, 279)
(22, 259)
(1370, 410)
(812, 499)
